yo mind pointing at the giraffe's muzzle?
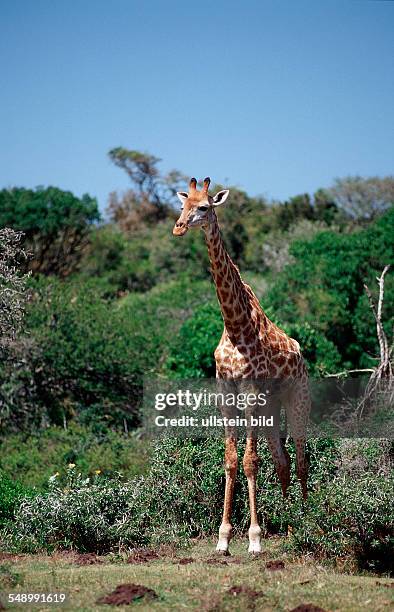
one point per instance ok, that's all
(180, 228)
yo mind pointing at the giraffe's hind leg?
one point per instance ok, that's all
(298, 409)
(302, 465)
(281, 459)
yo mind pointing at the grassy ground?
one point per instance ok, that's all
(200, 585)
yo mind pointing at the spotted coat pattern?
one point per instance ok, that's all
(252, 347)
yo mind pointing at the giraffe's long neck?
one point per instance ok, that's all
(234, 298)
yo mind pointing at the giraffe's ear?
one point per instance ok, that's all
(182, 195)
(220, 197)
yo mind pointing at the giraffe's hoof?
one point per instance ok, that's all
(254, 554)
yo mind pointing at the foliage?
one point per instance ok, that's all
(12, 284)
(32, 458)
(363, 198)
(11, 493)
(275, 252)
(86, 356)
(191, 352)
(55, 223)
(324, 286)
(151, 257)
(121, 264)
(150, 198)
(349, 518)
(362, 455)
(22, 397)
(83, 515)
(194, 476)
(320, 354)
(343, 517)
(191, 478)
(238, 220)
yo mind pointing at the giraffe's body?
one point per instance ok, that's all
(251, 348)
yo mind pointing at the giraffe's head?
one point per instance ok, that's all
(197, 206)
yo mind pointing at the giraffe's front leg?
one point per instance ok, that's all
(230, 466)
(251, 466)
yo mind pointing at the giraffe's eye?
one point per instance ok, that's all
(203, 208)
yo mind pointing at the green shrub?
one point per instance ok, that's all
(182, 497)
(83, 515)
(33, 458)
(349, 518)
(191, 351)
(124, 265)
(359, 456)
(190, 477)
(11, 494)
(86, 357)
(325, 286)
(194, 483)
(55, 224)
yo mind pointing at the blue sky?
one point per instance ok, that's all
(276, 97)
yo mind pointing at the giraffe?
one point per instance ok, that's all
(251, 347)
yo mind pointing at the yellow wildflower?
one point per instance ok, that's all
(97, 472)
(71, 465)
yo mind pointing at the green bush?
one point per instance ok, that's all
(84, 515)
(190, 478)
(194, 477)
(191, 351)
(11, 494)
(55, 224)
(124, 265)
(325, 287)
(182, 497)
(85, 357)
(33, 458)
(150, 256)
(349, 518)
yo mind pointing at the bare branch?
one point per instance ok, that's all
(346, 372)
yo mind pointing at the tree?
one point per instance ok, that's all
(324, 286)
(150, 199)
(298, 207)
(385, 369)
(325, 209)
(12, 284)
(363, 198)
(55, 223)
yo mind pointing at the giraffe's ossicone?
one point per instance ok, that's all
(251, 347)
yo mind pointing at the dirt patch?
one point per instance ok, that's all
(87, 559)
(143, 555)
(76, 558)
(235, 560)
(273, 566)
(216, 561)
(308, 608)
(70, 556)
(241, 589)
(9, 557)
(125, 594)
(167, 550)
(184, 561)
